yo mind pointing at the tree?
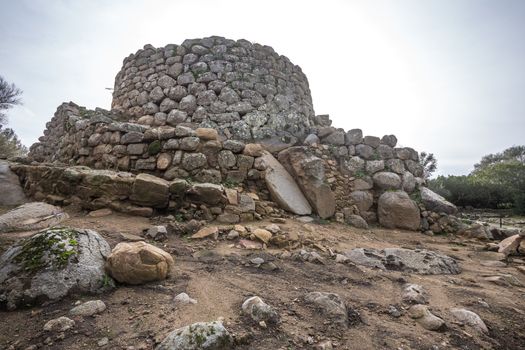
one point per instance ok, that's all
(498, 181)
(10, 145)
(9, 97)
(514, 153)
(428, 162)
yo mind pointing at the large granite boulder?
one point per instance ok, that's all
(139, 262)
(308, 170)
(31, 216)
(12, 192)
(198, 336)
(397, 210)
(386, 180)
(434, 202)
(363, 200)
(283, 188)
(52, 264)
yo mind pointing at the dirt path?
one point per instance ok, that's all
(220, 277)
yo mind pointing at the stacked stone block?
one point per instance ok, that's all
(245, 91)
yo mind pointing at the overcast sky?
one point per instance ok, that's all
(446, 77)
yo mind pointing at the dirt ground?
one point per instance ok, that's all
(220, 277)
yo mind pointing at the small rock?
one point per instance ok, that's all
(324, 345)
(305, 219)
(341, 259)
(232, 235)
(89, 308)
(393, 311)
(158, 233)
(103, 342)
(259, 311)
(330, 304)
(273, 228)
(60, 324)
(198, 336)
(414, 294)
(249, 244)
(100, 213)
(207, 232)
(470, 318)
(257, 261)
(262, 235)
(184, 299)
(425, 318)
(356, 221)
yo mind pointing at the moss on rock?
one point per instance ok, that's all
(49, 248)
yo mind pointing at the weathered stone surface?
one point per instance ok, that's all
(331, 305)
(40, 268)
(60, 324)
(397, 210)
(192, 161)
(510, 245)
(354, 136)
(373, 166)
(210, 231)
(470, 318)
(356, 221)
(149, 190)
(425, 318)
(363, 200)
(12, 192)
(262, 235)
(434, 202)
(389, 140)
(89, 308)
(206, 134)
(335, 138)
(31, 216)
(283, 188)
(198, 336)
(414, 294)
(309, 173)
(387, 181)
(259, 311)
(419, 261)
(372, 141)
(138, 263)
(206, 193)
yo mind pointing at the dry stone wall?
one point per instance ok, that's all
(236, 114)
(245, 91)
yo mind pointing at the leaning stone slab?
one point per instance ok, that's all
(283, 188)
(434, 202)
(31, 216)
(309, 173)
(52, 264)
